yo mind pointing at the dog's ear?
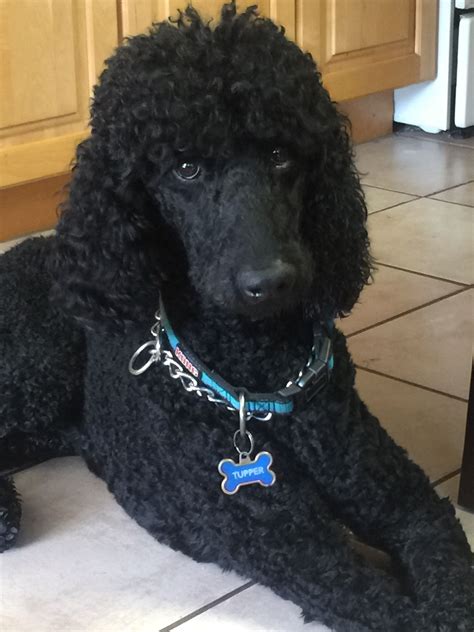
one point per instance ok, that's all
(102, 264)
(335, 219)
(112, 244)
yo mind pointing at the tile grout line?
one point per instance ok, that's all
(423, 274)
(455, 186)
(208, 606)
(400, 379)
(375, 186)
(408, 311)
(387, 208)
(415, 198)
(449, 201)
(446, 477)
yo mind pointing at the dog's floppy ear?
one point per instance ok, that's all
(102, 264)
(335, 219)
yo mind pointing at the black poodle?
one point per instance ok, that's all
(216, 202)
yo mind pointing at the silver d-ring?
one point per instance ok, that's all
(154, 357)
(242, 415)
(250, 438)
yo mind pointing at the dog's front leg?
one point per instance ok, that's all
(287, 538)
(388, 501)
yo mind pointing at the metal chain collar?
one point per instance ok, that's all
(188, 381)
(178, 372)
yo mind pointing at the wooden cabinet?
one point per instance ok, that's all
(137, 15)
(53, 50)
(361, 46)
(367, 46)
(51, 54)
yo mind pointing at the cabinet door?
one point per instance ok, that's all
(366, 46)
(51, 55)
(137, 15)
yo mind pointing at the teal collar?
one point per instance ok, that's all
(295, 395)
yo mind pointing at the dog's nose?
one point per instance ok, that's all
(269, 283)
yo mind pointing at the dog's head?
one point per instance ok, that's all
(217, 165)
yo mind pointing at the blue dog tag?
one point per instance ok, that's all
(246, 472)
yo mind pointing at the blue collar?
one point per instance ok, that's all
(298, 392)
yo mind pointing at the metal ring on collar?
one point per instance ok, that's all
(154, 352)
(244, 453)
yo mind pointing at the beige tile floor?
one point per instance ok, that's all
(411, 339)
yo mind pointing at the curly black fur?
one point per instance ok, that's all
(223, 98)
(223, 94)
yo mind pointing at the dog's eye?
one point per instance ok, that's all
(188, 170)
(281, 158)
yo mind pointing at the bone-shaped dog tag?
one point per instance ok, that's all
(246, 472)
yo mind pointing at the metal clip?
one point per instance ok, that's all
(243, 415)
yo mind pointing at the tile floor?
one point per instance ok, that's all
(411, 338)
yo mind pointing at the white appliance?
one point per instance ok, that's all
(447, 102)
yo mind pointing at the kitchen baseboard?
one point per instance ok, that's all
(371, 116)
(30, 207)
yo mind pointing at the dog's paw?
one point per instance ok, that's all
(10, 514)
